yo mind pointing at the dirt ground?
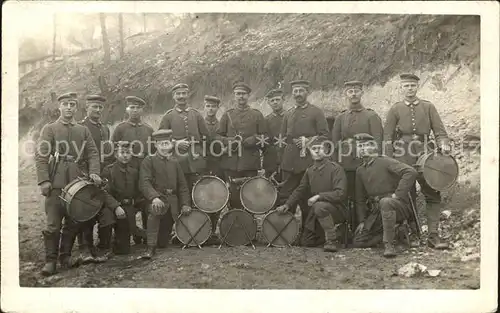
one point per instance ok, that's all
(243, 267)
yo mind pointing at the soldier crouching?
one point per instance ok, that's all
(163, 184)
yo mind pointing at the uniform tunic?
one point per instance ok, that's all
(138, 134)
(101, 135)
(213, 160)
(273, 152)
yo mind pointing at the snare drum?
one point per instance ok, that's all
(210, 194)
(237, 228)
(258, 195)
(82, 199)
(194, 228)
(280, 230)
(440, 171)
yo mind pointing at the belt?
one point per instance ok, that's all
(127, 201)
(414, 137)
(67, 158)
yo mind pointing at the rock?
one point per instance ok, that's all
(445, 214)
(468, 251)
(425, 228)
(205, 266)
(472, 257)
(412, 269)
(433, 273)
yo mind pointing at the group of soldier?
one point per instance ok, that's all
(153, 172)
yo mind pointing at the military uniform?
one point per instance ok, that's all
(326, 179)
(355, 120)
(66, 138)
(273, 152)
(248, 123)
(308, 121)
(162, 177)
(414, 122)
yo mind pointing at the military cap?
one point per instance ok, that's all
(179, 86)
(95, 99)
(409, 76)
(162, 134)
(122, 144)
(318, 141)
(274, 93)
(363, 137)
(135, 100)
(300, 83)
(352, 84)
(242, 86)
(68, 96)
(212, 99)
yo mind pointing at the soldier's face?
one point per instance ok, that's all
(94, 110)
(300, 94)
(67, 108)
(318, 152)
(354, 95)
(134, 111)
(409, 88)
(241, 97)
(276, 103)
(123, 155)
(366, 149)
(164, 147)
(180, 96)
(211, 108)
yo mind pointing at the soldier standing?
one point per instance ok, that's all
(241, 130)
(355, 120)
(416, 118)
(385, 182)
(273, 152)
(300, 125)
(138, 133)
(73, 151)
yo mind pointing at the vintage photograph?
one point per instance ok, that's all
(249, 150)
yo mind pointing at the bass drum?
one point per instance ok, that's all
(210, 194)
(82, 200)
(280, 230)
(193, 229)
(439, 171)
(258, 195)
(237, 228)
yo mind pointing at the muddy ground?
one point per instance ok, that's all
(243, 267)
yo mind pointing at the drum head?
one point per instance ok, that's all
(210, 194)
(440, 171)
(286, 225)
(197, 224)
(83, 200)
(233, 225)
(258, 195)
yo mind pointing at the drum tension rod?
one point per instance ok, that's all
(279, 232)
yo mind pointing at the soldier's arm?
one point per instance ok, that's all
(91, 153)
(202, 127)
(151, 147)
(165, 122)
(437, 125)
(42, 154)
(391, 122)
(284, 126)
(182, 187)
(109, 158)
(146, 180)
(322, 124)
(376, 129)
(300, 192)
(109, 200)
(222, 129)
(336, 137)
(407, 174)
(339, 187)
(361, 197)
(117, 134)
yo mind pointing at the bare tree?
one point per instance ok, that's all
(122, 42)
(105, 39)
(144, 22)
(54, 39)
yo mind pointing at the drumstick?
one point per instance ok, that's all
(279, 232)
(199, 229)
(189, 232)
(246, 233)
(225, 237)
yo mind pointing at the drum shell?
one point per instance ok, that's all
(279, 221)
(195, 220)
(237, 235)
(210, 200)
(439, 171)
(82, 200)
(258, 195)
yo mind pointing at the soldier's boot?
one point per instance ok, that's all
(150, 253)
(328, 226)
(104, 246)
(67, 240)
(121, 243)
(81, 242)
(51, 241)
(433, 213)
(87, 249)
(152, 237)
(389, 224)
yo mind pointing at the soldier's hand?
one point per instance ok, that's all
(282, 209)
(157, 205)
(96, 179)
(298, 142)
(394, 196)
(120, 213)
(312, 200)
(359, 229)
(183, 144)
(45, 188)
(445, 148)
(186, 209)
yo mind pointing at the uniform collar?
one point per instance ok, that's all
(280, 113)
(357, 109)
(243, 108)
(368, 162)
(134, 124)
(62, 121)
(211, 120)
(302, 106)
(318, 166)
(98, 123)
(180, 110)
(408, 103)
(162, 157)
(123, 167)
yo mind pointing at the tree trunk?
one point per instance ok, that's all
(144, 22)
(54, 40)
(105, 40)
(122, 42)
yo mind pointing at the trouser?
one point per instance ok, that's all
(234, 188)
(159, 229)
(393, 211)
(105, 219)
(313, 234)
(371, 235)
(433, 204)
(126, 227)
(350, 201)
(290, 182)
(142, 206)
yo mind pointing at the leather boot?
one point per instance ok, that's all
(328, 226)
(150, 252)
(67, 241)
(389, 224)
(51, 242)
(433, 213)
(104, 246)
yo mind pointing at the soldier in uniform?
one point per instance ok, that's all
(325, 183)
(163, 184)
(300, 124)
(272, 154)
(416, 118)
(241, 130)
(355, 120)
(73, 152)
(385, 183)
(138, 133)
(123, 194)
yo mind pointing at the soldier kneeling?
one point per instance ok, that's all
(163, 184)
(326, 182)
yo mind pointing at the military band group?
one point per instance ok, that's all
(365, 190)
